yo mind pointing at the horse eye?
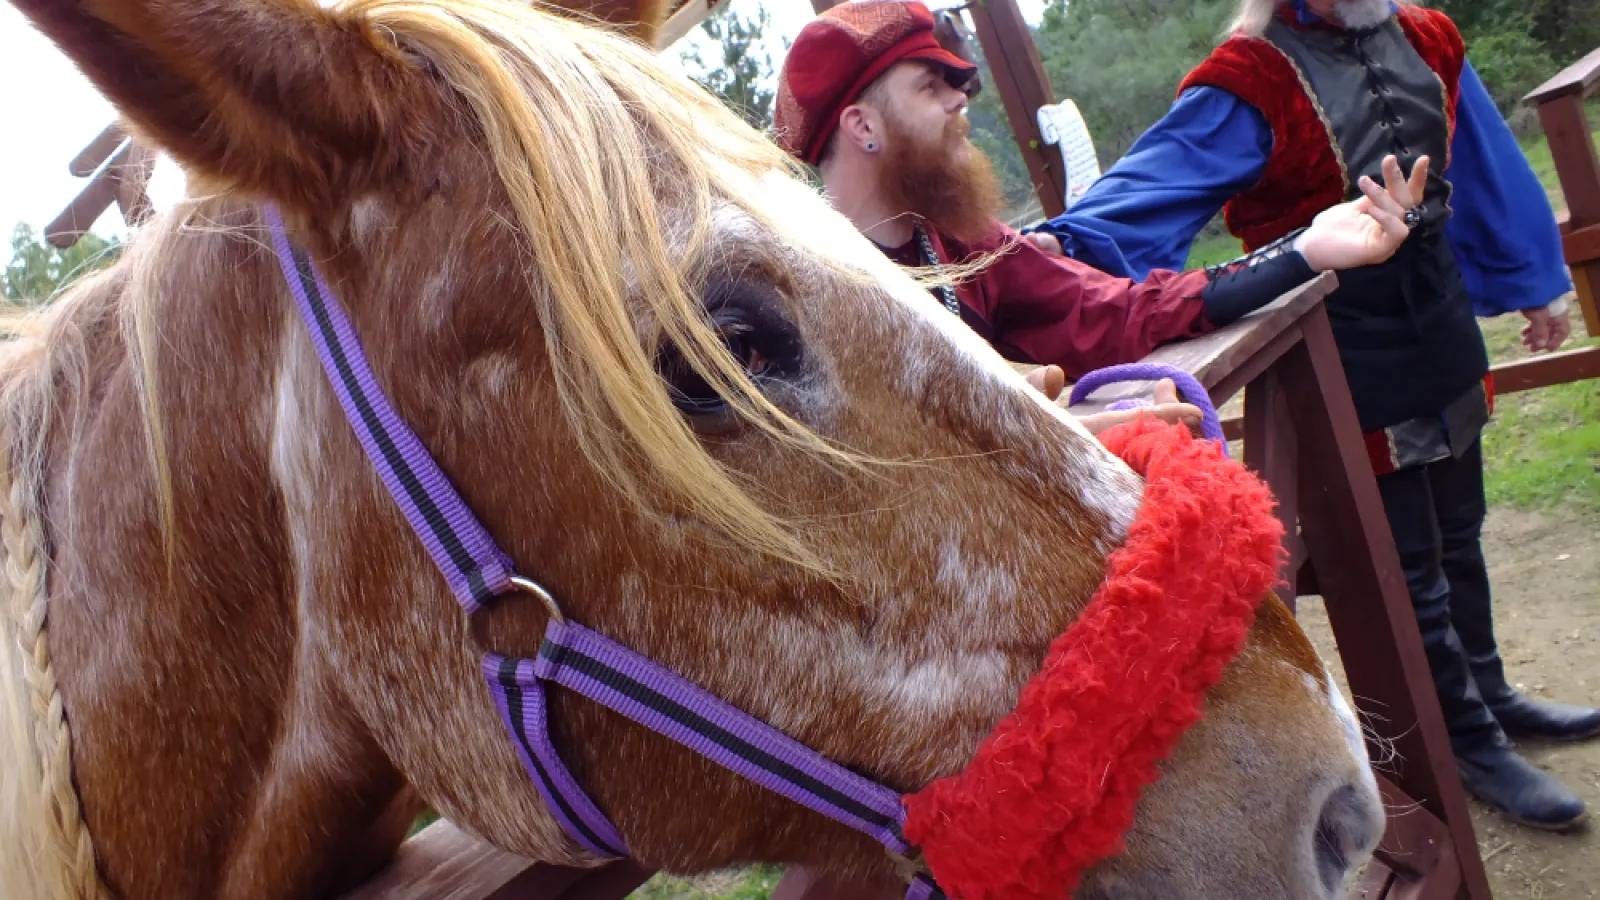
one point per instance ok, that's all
(753, 328)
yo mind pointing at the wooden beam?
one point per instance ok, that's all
(1271, 452)
(1415, 839)
(1369, 608)
(1529, 374)
(1580, 78)
(616, 881)
(685, 19)
(1020, 80)
(98, 151)
(1581, 245)
(1572, 148)
(81, 213)
(804, 883)
(1566, 126)
(1374, 883)
(122, 181)
(444, 863)
(1546, 369)
(132, 201)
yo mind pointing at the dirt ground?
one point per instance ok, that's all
(1545, 569)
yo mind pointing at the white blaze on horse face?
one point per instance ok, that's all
(1348, 722)
(808, 222)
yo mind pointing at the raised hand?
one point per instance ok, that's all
(1368, 230)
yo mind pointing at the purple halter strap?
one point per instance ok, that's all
(572, 656)
(1188, 388)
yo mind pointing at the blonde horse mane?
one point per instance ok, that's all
(45, 847)
(575, 119)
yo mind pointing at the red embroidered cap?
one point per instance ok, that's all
(838, 54)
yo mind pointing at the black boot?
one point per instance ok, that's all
(1457, 488)
(1489, 768)
(1524, 792)
(1522, 716)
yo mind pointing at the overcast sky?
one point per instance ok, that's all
(50, 111)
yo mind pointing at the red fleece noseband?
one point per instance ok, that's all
(1053, 789)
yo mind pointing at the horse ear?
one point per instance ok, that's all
(277, 97)
(640, 18)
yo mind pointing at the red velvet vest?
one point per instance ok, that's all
(1304, 174)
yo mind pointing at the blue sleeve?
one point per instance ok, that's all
(1144, 213)
(1503, 231)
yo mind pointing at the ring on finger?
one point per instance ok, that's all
(1413, 217)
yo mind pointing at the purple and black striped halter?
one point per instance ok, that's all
(479, 572)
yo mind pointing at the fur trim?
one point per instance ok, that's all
(1052, 790)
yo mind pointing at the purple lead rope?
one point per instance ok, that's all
(571, 655)
(1189, 389)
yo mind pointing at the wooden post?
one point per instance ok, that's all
(121, 181)
(1560, 105)
(1271, 452)
(1369, 606)
(684, 19)
(1020, 79)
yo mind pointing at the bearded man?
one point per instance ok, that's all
(1301, 99)
(869, 96)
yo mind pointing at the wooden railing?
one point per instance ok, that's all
(1559, 102)
(121, 180)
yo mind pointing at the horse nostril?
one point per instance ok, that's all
(1348, 827)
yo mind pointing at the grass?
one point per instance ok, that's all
(1542, 450)
(753, 883)
(1209, 251)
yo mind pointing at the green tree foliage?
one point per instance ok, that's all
(1516, 44)
(743, 75)
(991, 133)
(1121, 62)
(1566, 30)
(37, 271)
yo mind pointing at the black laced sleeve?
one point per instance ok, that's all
(1237, 288)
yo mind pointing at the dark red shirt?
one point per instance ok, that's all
(1037, 307)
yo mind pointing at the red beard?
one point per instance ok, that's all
(957, 193)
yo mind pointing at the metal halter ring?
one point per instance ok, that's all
(543, 596)
(1413, 217)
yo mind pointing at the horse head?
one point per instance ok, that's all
(679, 390)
